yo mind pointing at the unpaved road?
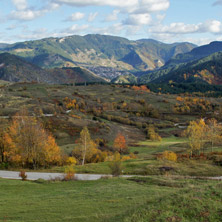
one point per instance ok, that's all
(50, 176)
(47, 176)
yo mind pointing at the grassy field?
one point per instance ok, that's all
(112, 200)
(146, 162)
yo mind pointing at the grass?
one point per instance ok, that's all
(135, 199)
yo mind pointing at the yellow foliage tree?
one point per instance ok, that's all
(27, 143)
(86, 148)
(214, 132)
(196, 132)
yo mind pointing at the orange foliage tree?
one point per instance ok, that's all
(120, 143)
(28, 144)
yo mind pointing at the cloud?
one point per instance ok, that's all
(210, 26)
(75, 17)
(218, 2)
(26, 15)
(75, 29)
(113, 16)
(12, 27)
(114, 29)
(138, 19)
(114, 3)
(132, 6)
(92, 16)
(20, 4)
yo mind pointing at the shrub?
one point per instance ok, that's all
(168, 155)
(116, 165)
(69, 173)
(71, 161)
(217, 159)
(23, 175)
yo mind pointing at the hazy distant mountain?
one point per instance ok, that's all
(196, 53)
(207, 69)
(15, 69)
(187, 61)
(3, 45)
(98, 51)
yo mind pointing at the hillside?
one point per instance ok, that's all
(130, 78)
(99, 51)
(15, 69)
(196, 53)
(74, 75)
(208, 70)
(187, 61)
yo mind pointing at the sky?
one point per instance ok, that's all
(196, 21)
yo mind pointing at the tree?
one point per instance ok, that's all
(120, 143)
(28, 144)
(86, 148)
(152, 135)
(196, 132)
(213, 132)
(2, 147)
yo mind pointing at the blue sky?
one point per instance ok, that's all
(197, 21)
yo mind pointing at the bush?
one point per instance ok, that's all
(3, 166)
(23, 175)
(168, 155)
(217, 159)
(116, 165)
(69, 173)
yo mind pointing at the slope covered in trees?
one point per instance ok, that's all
(205, 70)
(15, 69)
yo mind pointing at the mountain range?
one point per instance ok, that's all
(97, 51)
(99, 58)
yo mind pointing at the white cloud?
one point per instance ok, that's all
(211, 26)
(25, 15)
(75, 29)
(114, 29)
(132, 6)
(114, 3)
(20, 4)
(75, 16)
(92, 16)
(113, 16)
(138, 19)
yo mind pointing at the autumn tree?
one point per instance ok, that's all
(214, 132)
(86, 147)
(28, 144)
(120, 143)
(152, 135)
(196, 133)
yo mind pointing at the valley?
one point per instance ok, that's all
(109, 106)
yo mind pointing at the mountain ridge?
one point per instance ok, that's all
(97, 50)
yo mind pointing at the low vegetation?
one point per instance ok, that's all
(134, 199)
